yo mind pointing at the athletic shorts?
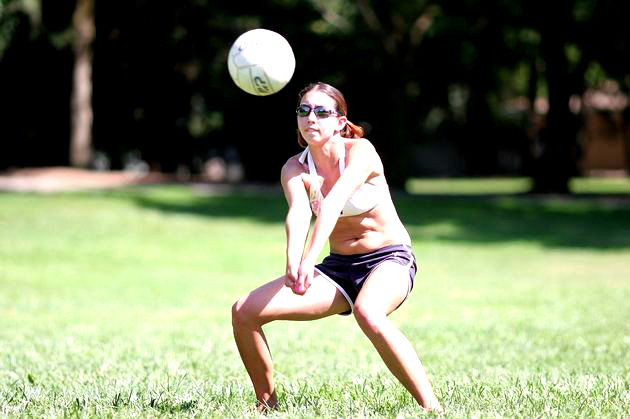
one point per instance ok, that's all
(349, 272)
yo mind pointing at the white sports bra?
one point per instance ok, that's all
(362, 200)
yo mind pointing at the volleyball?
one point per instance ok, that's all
(261, 62)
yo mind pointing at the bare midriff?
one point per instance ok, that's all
(368, 232)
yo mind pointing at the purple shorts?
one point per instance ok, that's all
(349, 272)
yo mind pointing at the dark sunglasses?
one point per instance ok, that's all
(319, 111)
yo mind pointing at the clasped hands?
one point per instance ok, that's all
(300, 279)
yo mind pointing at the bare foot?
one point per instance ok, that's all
(267, 405)
(434, 407)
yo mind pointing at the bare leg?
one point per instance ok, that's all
(275, 301)
(383, 291)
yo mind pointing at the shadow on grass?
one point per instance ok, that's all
(552, 222)
(556, 222)
(267, 207)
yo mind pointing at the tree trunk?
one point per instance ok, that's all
(81, 103)
(557, 162)
(625, 126)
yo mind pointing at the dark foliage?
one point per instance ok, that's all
(426, 79)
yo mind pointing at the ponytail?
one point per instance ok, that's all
(352, 131)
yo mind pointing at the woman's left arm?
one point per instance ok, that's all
(361, 158)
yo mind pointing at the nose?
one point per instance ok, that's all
(311, 116)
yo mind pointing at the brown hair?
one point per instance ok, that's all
(350, 130)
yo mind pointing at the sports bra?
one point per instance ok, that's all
(362, 200)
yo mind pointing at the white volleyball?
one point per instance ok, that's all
(261, 62)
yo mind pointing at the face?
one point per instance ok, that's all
(320, 129)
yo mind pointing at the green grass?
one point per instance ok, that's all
(468, 186)
(118, 304)
(517, 185)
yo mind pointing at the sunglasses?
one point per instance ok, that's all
(319, 111)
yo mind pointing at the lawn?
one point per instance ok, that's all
(117, 303)
(513, 185)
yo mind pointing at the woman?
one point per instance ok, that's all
(370, 271)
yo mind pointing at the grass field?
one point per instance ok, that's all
(513, 185)
(118, 304)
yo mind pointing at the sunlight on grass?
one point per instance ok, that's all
(620, 185)
(490, 186)
(117, 303)
(468, 186)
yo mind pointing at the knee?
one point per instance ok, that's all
(241, 313)
(371, 322)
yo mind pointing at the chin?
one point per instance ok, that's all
(313, 140)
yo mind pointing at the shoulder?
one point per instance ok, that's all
(362, 150)
(292, 168)
(292, 181)
(361, 153)
(360, 146)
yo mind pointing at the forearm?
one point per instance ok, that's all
(324, 226)
(297, 227)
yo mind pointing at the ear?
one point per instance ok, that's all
(341, 123)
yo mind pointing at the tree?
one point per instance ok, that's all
(414, 73)
(81, 102)
(392, 34)
(558, 161)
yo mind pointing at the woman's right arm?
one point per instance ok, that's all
(298, 219)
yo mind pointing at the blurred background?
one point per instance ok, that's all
(469, 88)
